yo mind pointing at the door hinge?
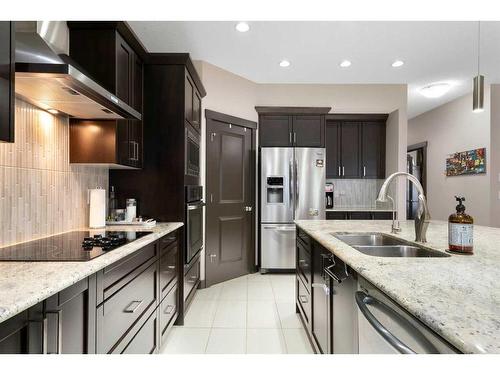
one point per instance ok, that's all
(212, 135)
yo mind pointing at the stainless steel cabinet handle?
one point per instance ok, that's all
(364, 171)
(44, 333)
(363, 300)
(169, 309)
(194, 207)
(343, 171)
(171, 267)
(294, 138)
(58, 314)
(290, 179)
(340, 172)
(325, 288)
(290, 137)
(132, 307)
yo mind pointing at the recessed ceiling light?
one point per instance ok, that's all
(284, 63)
(397, 63)
(435, 90)
(242, 27)
(53, 111)
(345, 64)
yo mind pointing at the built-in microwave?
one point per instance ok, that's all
(192, 153)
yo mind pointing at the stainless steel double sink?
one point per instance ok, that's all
(383, 245)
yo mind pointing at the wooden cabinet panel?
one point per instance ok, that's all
(168, 267)
(360, 215)
(146, 341)
(321, 300)
(191, 278)
(275, 131)
(350, 152)
(124, 60)
(71, 319)
(196, 111)
(188, 99)
(23, 333)
(373, 149)
(308, 131)
(303, 302)
(168, 309)
(332, 144)
(7, 81)
(117, 314)
(304, 264)
(382, 215)
(336, 215)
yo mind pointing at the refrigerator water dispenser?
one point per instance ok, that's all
(275, 189)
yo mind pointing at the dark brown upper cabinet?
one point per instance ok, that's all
(292, 126)
(113, 56)
(7, 73)
(373, 149)
(309, 131)
(275, 131)
(355, 148)
(192, 104)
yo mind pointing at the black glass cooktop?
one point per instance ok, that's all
(74, 246)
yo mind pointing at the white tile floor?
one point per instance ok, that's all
(250, 314)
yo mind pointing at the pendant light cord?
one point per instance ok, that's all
(478, 46)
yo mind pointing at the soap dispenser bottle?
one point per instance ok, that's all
(460, 228)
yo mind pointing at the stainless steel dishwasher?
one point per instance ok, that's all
(385, 328)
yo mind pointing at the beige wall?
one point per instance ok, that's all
(40, 192)
(495, 156)
(450, 128)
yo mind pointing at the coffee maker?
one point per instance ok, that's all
(329, 195)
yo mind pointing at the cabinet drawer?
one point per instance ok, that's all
(167, 240)
(336, 215)
(304, 237)
(168, 267)
(146, 340)
(382, 215)
(303, 264)
(191, 279)
(121, 311)
(303, 301)
(117, 275)
(168, 309)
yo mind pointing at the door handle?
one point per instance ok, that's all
(132, 307)
(58, 314)
(363, 300)
(248, 208)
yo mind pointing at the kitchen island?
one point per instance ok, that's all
(458, 297)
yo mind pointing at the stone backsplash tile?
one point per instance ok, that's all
(40, 192)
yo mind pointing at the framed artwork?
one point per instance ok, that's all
(466, 162)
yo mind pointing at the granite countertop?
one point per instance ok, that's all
(358, 209)
(457, 297)
(24, 284)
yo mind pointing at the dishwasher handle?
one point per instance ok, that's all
(363, 300)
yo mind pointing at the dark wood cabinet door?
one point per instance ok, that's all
(188, 99)
(373, 149)
(70, 318)
(321, 300)
(7, 73)
(138, 83)
(275, 131)
(308, 131)
(135, 143)
(332, 144)
(23, 333)
(124, 70)
(350, 153)
(196, 111)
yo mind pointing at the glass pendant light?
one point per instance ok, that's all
(478, 81)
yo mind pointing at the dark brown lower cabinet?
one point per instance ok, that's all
(23, 334)
(70, 319)
(191, 280)
(128, 307)
(358, 215)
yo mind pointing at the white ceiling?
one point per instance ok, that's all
(432, 51)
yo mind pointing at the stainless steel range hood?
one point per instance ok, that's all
(53, 82)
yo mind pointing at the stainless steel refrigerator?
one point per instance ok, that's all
(292, 188)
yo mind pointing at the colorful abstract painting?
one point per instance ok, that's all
(466, 162)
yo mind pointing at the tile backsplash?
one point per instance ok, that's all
(358, 193)
(40, 192)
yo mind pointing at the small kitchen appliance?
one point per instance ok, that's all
(329, 195)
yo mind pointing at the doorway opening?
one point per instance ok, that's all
(416, 165)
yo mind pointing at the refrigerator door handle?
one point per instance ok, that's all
(296, 175)
(290, 181)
